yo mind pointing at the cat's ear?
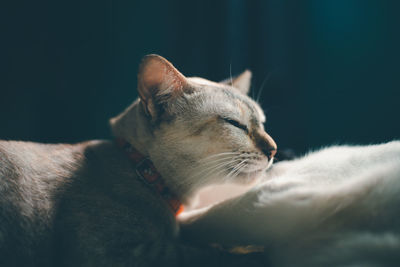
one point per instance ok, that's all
(241, 81)
(158, 81)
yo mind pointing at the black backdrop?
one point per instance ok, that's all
(329, 69)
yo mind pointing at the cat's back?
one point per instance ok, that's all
(32, 175)
(36, 165)
(30, 154)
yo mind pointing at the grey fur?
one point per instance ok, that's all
(82, 204)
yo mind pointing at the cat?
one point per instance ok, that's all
(339, 206)
(106, 203)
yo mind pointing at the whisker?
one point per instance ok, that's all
(237, 171)
(238, 166)
(231, 154)
(230, 73)
(224, 153)
(220, 165)
(206, 172)
(262, 86)
(205, 164)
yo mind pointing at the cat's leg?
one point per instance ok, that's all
(121, 237)
(153, 253)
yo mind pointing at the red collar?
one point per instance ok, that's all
(148, 173)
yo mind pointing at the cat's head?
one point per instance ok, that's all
(195, 131)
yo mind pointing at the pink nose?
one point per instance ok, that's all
(264, 142)
(267, 145)
(269, 151)
(272, 153)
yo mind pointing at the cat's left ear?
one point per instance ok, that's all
(158, 82)
(241, 82)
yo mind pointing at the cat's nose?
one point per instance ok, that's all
(266, 144)
(270, 152)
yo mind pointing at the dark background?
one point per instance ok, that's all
(328, 70)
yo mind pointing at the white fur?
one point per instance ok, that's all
(339, 206)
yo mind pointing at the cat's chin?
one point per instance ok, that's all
(249, 177)
(252, 175)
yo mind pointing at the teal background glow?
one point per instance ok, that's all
(329, 69)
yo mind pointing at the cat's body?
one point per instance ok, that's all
(68, 205)
(32, 180)
(88, 204)
(336, 207)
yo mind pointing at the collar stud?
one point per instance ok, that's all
(149, 175)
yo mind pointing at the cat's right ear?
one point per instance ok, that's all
(158, 81)
(242, 82)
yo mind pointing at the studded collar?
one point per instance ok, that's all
(147, 172)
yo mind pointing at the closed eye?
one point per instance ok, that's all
(236, 124)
